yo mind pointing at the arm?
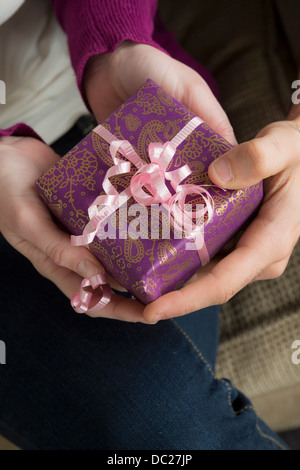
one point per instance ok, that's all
(90, 34)
(95, 27)
(109, 38)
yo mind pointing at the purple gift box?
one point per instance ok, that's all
(133, 245)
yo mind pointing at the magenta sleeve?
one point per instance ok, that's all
(20, 129)
(99, 26)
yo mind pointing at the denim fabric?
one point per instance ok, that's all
(74, 382)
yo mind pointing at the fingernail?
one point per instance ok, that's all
(87, 268)
(223, 170)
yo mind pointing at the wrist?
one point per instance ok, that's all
(104, 86)
(98, 71)
(93, 66)
(10, 142)
(9, 139)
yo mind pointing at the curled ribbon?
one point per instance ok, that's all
(151, 176)
(81, 300)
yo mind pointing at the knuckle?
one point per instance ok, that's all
(43, 264)
(55, 252)
(195, 86)
(285, 253)
(190, 91)
(225, 128)
(225, 295)
(22, 217)
(257, 156)
(184, 305)
(189, 307)
(276, 270)
(286, 245)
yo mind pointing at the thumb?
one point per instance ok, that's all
(272, 151)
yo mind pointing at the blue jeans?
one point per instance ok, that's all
(74, 382)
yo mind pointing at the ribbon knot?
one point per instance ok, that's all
(152, 176)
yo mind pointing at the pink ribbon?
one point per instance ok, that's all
(153, 177)
(81, 300)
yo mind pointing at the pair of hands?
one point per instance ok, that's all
(263, 250)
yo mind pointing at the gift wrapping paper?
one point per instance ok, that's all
(146, 267)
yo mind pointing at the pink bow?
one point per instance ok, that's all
(153, 177)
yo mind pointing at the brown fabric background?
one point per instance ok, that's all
(244, 44)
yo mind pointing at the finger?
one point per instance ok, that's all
(274, 150)
(30, 146)
(67, 281)
(179, 81)
(214, 288)
(37, 226)
(262, 245)
(274, 271)
(199, 98)
(113, 283)
(56, 245)
(205, 270)
(119, 308)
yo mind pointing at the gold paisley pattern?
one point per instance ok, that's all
(148, 134)
(166, 99)
(101, 148)
(220, 205)
(121, 263)
(50, 181)
(124, 278)
(117, 251)
(133, 250)
(150, 104)
(147, 286)
(132, 122)
(175, 268)
(166, 252)
(57, 208)
(214, 143)
(98, 248)
(171, 129)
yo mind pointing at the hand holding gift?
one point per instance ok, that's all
(110, 79)
(154, 142)
(27, 224)
(264, 249)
